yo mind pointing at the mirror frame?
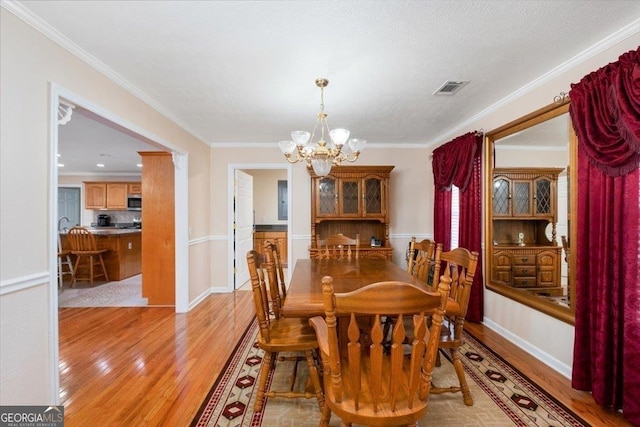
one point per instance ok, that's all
(553, 110)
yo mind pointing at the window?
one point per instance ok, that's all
(455, 216)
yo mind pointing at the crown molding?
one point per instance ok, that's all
(604, 44)
(54, 35)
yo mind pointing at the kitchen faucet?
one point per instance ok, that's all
(60, 220)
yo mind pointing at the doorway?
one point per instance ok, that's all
(260, 197)
(68, 207)
(180, 160)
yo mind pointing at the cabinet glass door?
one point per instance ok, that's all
(327, 193)
(373, 196)
(521, 198)
(350, 197)
(501, 202)
(543, 196)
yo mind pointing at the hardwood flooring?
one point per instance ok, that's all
(133, 366)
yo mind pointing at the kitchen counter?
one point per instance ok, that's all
(112, 231)
(124, 256)
(271, 227)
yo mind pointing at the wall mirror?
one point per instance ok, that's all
(529, 201)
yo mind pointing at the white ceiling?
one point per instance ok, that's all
(234, 72)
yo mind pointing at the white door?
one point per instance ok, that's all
(69, 206)
(243, 225)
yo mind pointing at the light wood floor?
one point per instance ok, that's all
(135, 366)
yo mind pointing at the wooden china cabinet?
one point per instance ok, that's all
(524, 207)
(352, 200)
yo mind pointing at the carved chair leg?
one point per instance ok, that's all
(326, 416)
(267, 365)
(315, 379)
(464, 387)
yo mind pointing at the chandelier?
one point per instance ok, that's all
(321, 155)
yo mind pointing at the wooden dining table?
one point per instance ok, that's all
(304, 296)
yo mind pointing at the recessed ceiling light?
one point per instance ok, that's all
(60, 165)
(100, 165)
(58, 154)
(139, 165)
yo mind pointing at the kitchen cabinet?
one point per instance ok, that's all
(95, 195)
(117, 195)
(524, 214)
(123, 258)
(107, 195)
(135, 188)
(279, 237)
(352, 200)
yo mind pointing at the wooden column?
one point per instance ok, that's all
(158, 228)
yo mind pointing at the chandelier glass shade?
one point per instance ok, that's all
(321, 155)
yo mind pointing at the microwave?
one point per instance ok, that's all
(134, 203)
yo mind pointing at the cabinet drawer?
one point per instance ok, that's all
(524, 282)
(524, 270)
(524, 259)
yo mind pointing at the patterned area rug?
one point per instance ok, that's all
(125, 293)
(502, 395)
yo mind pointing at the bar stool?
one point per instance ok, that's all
(83, 245)
(65, 266)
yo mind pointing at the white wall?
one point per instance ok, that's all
(265, 194)
(31, 65)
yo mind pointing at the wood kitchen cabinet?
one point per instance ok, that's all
(123, 258)
(107, 195)
(135, 188)
(117, 195)
(279, 237)
(352, 200)
(524, 215)
(95, 195)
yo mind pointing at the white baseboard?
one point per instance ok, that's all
(544, 357)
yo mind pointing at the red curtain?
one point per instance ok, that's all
(459, 163)
(605, 110)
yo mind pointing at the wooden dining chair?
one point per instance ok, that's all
(88, 255)
(339, 246)
(460, 265)
(275, 274)
(365, 384)
(279, 334)
(421, 259)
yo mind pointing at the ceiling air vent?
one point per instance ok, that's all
(450, 87)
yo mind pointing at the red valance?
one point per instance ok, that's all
(453, 162)
(605, 110)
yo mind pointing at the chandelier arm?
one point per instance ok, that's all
(292, 159)
(354, 158)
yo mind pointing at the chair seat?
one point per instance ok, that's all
(289, 334)
(90, 253)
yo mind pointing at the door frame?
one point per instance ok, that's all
(180, 160)
(231, 169)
